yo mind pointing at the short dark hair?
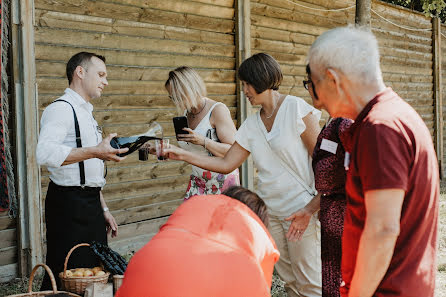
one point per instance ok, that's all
(250, 199)
(262, 72)
(80, 59)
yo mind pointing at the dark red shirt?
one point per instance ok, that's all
(391, 147)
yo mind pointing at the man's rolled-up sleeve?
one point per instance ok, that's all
(55, 124)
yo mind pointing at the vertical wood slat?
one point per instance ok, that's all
(28, 178)
(243, 51)
(438, 104)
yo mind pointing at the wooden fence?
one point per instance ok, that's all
(144, 40)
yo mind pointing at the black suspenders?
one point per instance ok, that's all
(78, 143)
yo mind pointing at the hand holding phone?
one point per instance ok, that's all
(180, 123)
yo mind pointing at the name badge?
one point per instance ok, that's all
(329, 146)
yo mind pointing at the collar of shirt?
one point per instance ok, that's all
(79, 100)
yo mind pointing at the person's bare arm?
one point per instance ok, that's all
(110, 221)
(301, 218)
(221, 119)
(232, 160)
(309, 136)
(377, 243)
(102, 151)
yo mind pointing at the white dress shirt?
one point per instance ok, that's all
(58, 137)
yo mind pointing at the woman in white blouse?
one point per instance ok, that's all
(281, 138)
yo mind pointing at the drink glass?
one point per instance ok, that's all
(160, 145)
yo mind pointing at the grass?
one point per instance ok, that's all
(21, 285)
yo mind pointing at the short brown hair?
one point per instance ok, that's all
(82, 59)
(250, 199)
(262, 72)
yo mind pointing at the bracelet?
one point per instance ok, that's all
(105, 209)
(205, 142)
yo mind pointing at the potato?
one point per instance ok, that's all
(96, 269)
(99, 273)
(88, 272)
(69, 273)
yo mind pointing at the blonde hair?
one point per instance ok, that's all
(186, 87)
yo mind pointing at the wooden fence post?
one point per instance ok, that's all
(438, 104)
(362, 16)
(243, 51)
(26, 123)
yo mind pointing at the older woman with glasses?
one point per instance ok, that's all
(329, 175)
(211, 130)
(280, 138)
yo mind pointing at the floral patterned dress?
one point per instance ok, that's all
(205, 182)
(329, 175)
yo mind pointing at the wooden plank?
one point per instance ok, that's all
(140, 228)
(7, 223)
(117, 57)
(128, 101)
(57, 69)
(147, 171)
(400, 15)
(409, 70)
(405, 54)
(267, 22)
(381, 24)
(410, 86)
(282, 35)
(405, 62)
(9, 238)
(183, 7)
(137, 214)
(62, 20)
(286, 59)
(8, 272)
(301, 17)
(131, 245)
(116, 87)
(8, 255)
(130, 202)
(389, 42)
(397, 77)
(270, 46)
(64, 37)
(132, 13)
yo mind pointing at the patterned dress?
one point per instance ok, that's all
(329, 174)
(205, 182)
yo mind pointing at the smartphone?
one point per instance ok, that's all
(179, 123)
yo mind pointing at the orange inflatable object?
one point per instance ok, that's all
(211, 246)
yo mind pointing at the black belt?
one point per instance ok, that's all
(75, 188)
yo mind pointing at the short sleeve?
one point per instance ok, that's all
(383, 158)
(242, 135)
(303, 109)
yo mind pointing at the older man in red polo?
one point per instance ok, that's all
(390, 232)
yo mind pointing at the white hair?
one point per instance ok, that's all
(353, 51)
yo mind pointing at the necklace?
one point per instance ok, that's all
(275, 106)
(195, 114)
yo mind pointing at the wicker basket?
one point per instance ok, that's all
(78, 284)
(42, 293)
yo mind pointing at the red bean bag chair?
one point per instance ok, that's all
(211, 246)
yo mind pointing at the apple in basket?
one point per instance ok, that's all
(99, 273)
(96, 269)
(78, 272)
(69, 273)
(88, 272)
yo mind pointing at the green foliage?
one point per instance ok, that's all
(428, 7)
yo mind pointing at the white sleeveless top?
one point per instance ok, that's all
(205, 181)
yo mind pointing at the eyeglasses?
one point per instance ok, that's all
(307, 82)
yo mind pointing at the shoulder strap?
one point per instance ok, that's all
(283, 163)
(78, 142)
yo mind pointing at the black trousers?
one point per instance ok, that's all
(73, 215)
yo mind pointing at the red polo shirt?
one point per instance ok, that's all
(391, 147)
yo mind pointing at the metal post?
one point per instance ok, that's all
(436, 59)
(363, 8)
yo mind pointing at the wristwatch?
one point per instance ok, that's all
(105, 209)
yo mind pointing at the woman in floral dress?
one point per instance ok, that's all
(211, 130)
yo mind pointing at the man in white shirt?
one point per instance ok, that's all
(71, 146)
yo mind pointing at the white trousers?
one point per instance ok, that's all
(299, 265)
